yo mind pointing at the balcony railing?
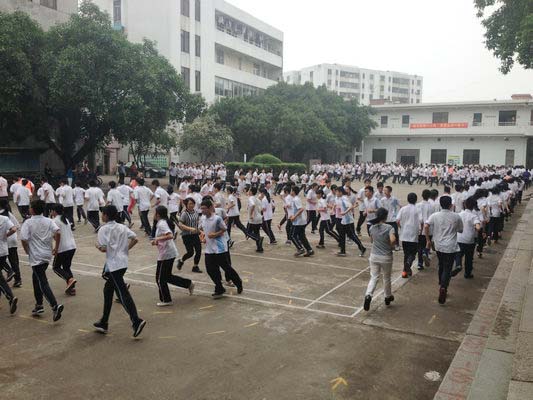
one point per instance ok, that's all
(263, 45)
(508, 123)
(473, 124)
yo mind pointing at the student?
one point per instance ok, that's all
(496, 208)
(143, 196)
(22, 197)
(266, 204)
(126, 192)
(446, 224)
(392, 205)
(95, 200)
(48, 196)
(66, 196)
(310, 207)
(325, 220)
(116, 240)
(370, 204)
(12, 243)
(7, 229)
(79, 198)
(467, 239)
(255, 219)
(345, 222)
(234, 219)
(67, 248)
(37, 234)
(409, 222)
(173, 204)
(216, 250)
(383, 240)
(114, 197)
(167, 253)
(287, 198)
(190, 234)
(425, 209)
(360, 198)
(299, 222)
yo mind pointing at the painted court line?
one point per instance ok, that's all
(248, 290)
(336, 287)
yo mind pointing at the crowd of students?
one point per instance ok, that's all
(203, 210)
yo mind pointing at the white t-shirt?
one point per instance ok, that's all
(162, 195)
(116, 239)
(66, 195)
(174, 202)
(311, 200)
(214, 223)
(220, 200)
(48, 191)
(267, 209)
(234, 209)
(125, 192)
(3, 187)
(95, 198)
(166, 248)
(5, 226)
(296, 204)
(23, 196)
(143, 196)
(410, 222)
(12, 240)
(254, 217)
(39, 232)
(324, 214)
(79, 195)
(470, 220)
(66, 242)
(115, 198)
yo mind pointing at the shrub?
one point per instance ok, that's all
(266, 159)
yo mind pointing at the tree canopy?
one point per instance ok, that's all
(294, 122)
(89, 85)
(509, 31)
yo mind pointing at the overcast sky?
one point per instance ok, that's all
(442, 40)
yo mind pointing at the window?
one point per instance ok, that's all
(417, 101)
(184, 41)
(49, 3)
(351, 85)
(405, 121)
(227, 88)
(197, 80)
(329, 71)
(185, 8)
(329, 82)
(117, 11)
(531, 118)
(419, 82)
(440, 117)
(381, 88)
(362, 95)
(384, 121)
(507, 118)
(509, 158)
(477, 119)
(363, 75)
(371, 96)
(363, 85)
(311, 76)
(220, 56)
(197, 45)
(470, 157)
(371, 77)
(186, 76)
(382, 78)
(197, 10)
(438, 156)
(379, 155)
(257, 69)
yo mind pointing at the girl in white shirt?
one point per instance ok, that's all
(323, 209)
(12, 243)
(7, 229)
(79, 198)
(167, 253)
(65, 251)
(266, 203)
(174, 201)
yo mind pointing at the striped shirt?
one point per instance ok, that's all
(189, 219)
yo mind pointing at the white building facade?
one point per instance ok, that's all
(368, 86)
(220, 50)
(485, 132)
(46, 12)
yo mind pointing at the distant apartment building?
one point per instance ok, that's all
(368, 86)
(220, 50)
(498, 132)
(46, 12)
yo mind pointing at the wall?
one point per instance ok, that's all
(45, 16)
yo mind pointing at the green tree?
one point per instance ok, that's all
(206, 139)
(509, 31)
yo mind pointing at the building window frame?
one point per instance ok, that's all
(185, 8)
(185, 44)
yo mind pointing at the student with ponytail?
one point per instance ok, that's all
(164, 240)
(67, 247)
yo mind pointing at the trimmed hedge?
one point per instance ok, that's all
(266, 159)
(292, 167)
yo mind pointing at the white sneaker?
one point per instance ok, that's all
(164, 304)
(191, 289)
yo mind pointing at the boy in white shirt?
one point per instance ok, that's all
(22, 197)
(6, 229)
(37, 234)
(79, 198)
(126, 192)
(143, 196)
(66, 195)
(95, 200)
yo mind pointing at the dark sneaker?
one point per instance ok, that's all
(368, 300)
(57, 312)
(239, 289)
(218, 294)
(13, 305)
(17, 284)
(456, 270)
(309, 253)
(138, 327)
(38, 310)
(10, 276)
(196, 269)
(179, 265)
(471, 276)
(362, 253)
(299, 253)
(260, 243)
(320, 246)
(389, 300)
(230, 244)
(420, 267)
(71, 284)
(442, 295)
(427, 260)
(341, 254)
(100, 326)
(274, 242)
(260, 250)
(230, 284)
(409, 272)
(191, 289)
